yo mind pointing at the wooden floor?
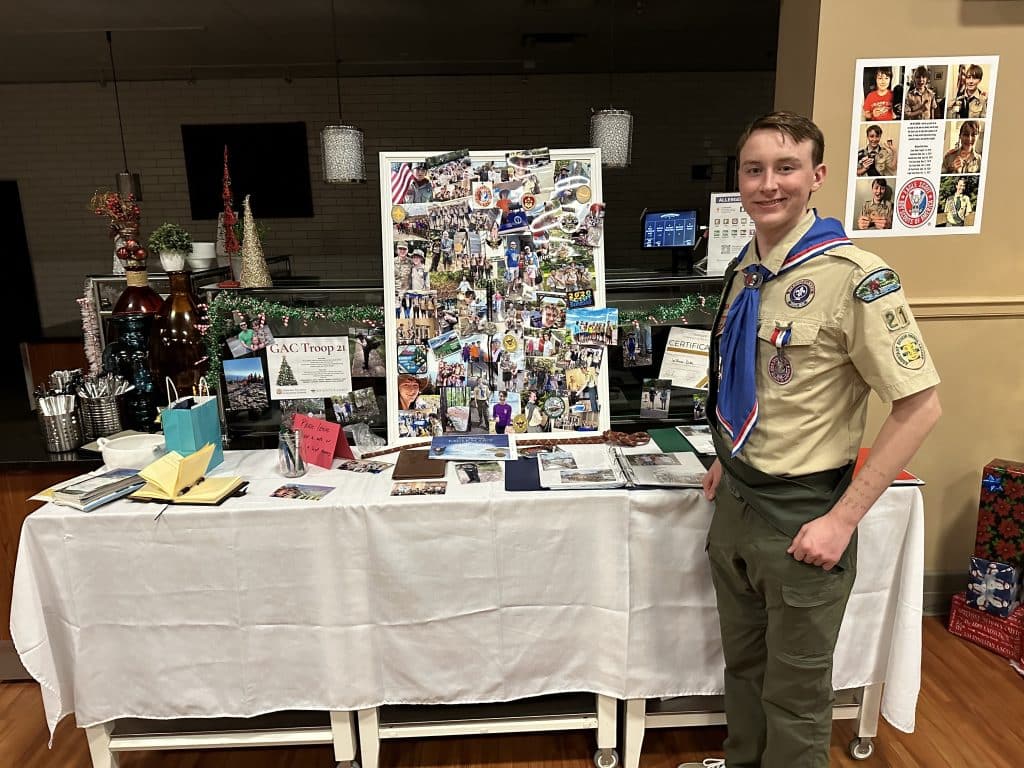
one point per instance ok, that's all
(970, 713)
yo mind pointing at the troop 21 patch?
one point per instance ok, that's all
(908, 351)
(879, 283)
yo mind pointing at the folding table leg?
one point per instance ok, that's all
(369, 737)
(606, 756)
(343, 732)
(99, 746)
(633, 734)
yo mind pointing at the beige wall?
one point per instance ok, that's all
(968, 291)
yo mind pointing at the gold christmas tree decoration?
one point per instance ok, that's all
(254, 267)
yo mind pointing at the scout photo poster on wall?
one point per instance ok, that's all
(919, 149)
(486, 254)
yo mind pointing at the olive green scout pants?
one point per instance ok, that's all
(780, 619)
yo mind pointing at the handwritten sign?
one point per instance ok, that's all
(321, 440)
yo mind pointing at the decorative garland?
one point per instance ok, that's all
(90, 332)
(225, 303)
(676, 312)
(222, 322)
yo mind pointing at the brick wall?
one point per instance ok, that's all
(61, 143)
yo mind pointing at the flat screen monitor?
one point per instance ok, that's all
(670, 229)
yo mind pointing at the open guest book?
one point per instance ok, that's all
(585, 466)
(177, 479)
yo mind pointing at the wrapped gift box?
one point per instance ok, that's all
(993, 587)
(1001, 513)
(1002, 636)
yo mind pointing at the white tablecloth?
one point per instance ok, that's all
(364, 599)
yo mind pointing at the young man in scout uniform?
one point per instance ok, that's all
(808, 326)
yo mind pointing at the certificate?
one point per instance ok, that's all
(686, 358)
(308, 366)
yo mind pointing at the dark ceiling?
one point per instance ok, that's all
(64, 40)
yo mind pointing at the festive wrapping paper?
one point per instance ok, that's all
(993, 587)
(1000, 535)
(999, 635)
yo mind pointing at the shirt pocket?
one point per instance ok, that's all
(792, 348)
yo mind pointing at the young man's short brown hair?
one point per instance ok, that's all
(797, 127)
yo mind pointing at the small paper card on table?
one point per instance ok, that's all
(321, 440)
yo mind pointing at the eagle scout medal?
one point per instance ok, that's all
(780, 369)
(908, 351)
(800, 294)
(879, 283)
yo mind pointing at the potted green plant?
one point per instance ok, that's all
(173, 243)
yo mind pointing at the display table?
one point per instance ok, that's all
(361, 599)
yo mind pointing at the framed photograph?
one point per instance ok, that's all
(245, 385)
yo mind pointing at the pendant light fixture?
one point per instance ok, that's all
(612, 129)
(341, 145)
(128, 183)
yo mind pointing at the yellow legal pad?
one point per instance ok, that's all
(177, 479)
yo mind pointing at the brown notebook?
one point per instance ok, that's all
(417, 465)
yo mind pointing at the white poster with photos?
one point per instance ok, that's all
(484, 254)
(918, 153)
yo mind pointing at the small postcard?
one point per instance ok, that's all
(698, 436)
(302, 492)
(473, 448)
(651, 459)
(572, 476)
(478, 472)
(557, 460)
(419, 488)
(365, 465)
(655, 398)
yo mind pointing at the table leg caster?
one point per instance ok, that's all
(606, 758)
(861, 748)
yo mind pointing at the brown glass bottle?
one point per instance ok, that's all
(178, 348)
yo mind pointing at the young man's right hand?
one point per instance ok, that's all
(711, 480)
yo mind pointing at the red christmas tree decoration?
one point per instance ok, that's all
(231, 246)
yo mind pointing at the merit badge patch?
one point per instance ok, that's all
(397, 214)
(583, 194)
(780, 369)
(879, 283)
(800, 294)
(908, 351)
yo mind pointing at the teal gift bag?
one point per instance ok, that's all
(191, 422)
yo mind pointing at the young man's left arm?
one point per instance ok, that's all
(822, 541)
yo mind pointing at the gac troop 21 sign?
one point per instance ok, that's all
(919, 149)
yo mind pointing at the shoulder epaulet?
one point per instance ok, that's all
(866, 260)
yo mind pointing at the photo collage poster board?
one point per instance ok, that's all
(491, 259)
(919, 145)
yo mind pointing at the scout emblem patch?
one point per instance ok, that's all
(397, 214)
(800, 294)
(908, 351)
(879, 283)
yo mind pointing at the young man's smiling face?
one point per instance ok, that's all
(777, 177)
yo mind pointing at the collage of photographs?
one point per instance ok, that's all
(954, 99)
(498, 324)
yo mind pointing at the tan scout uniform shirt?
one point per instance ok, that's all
(812, 400)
